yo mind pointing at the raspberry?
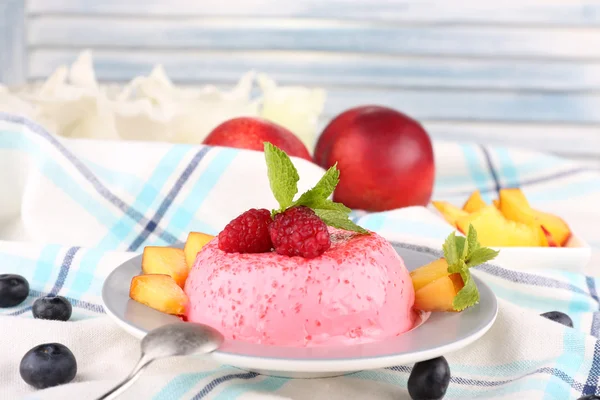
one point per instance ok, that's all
(298, 231)
(248, 233)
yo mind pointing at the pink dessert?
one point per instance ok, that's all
(357, 291)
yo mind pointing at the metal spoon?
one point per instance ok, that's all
(178, 339)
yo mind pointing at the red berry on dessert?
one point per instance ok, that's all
(248, 233)
(298, 231)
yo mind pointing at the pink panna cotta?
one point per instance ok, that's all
(358, 291)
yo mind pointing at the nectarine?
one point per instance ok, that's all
(428, 273)
(439, 294)
(160, 292)
(165, 260)
(385, 159)
(251, 133)
(474, 202)
(194, 243)
(450, 212)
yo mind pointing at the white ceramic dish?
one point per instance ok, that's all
(573, 257)
(438, 334)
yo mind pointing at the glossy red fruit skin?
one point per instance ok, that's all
(385, 159)
(251, 133)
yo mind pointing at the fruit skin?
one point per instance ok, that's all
(55, 308)
(439, 294)
(557, 227)
(160, 292)
(165, 260)
(429, 379)
(14, 289)
(48, 365)
(194, 243)
(450, 212)
(474, 202)
(385, 159)
(559, 317)
(298, 231)
(247, 233)
(429, 273)
(251, 133)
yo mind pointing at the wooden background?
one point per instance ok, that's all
(516, 72)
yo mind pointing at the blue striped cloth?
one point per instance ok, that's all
(73, 210)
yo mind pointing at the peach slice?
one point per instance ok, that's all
(556, 226)
(474, 202)
(439, 294)
(496, 203)
(495, 230)
(160, 292)
(450, 212)
(428, 273)
(194, 243)
(514, 206)
(167, 261)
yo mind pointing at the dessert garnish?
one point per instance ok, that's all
(461, 254)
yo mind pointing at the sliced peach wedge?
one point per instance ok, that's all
(167, 261)
(160, 292)
(439, 295)
(495, 230)
(474, 202)
(446, 284)
(194, 243)
(450, 212)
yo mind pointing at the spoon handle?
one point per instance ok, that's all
(116, 391)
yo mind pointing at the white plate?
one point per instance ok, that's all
(439, 334)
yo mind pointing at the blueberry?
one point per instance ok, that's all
(429, 379)
(589, 397)
(559, 317)
(14, 289)
(52, 307)
(48, 365)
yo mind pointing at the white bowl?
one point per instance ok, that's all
(573, 257)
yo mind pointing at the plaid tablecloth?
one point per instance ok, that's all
(71, 211)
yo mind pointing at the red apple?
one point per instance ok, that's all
(251, 133)
(385, 159)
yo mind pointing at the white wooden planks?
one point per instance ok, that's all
(316, 35)
(550, 12)
(334, 69)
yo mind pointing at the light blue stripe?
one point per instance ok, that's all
(477, 168)
(46, 264)
(101, 211)
(117, 178)
(566, 191)
(269, 384)
(180, 385)
(80, 280)
(182, 220)
(123, 232)
(507, 172)
(373, 222)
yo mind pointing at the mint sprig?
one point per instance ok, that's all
(283, 179)
(461, 254)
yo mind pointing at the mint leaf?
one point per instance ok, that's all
(339, 219)
(481, 256)
(450, 251)
(467, 296)
(457, 267)
(472, 243)
(322, 190)
(283, 176)
(326, 204)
